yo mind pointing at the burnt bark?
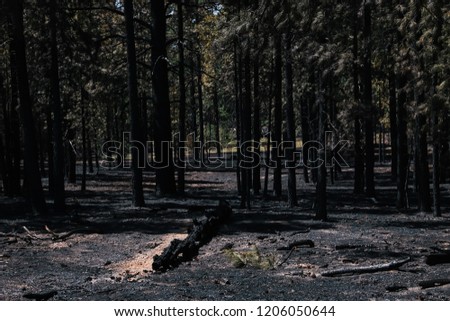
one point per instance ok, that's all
(58, 148)
(165, 178)
(402, 143)
(277, 128)
(201, 233)
(182, 104)
(35, 191)
(290, 122)
(367, 101)
(358, 186)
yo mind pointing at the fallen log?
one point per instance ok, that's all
(40, 296)
(433, 283)
(367, 269)
(203, 230)
(435, 259)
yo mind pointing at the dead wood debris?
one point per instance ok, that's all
(297, 244)
(366, 269)
(40, 296)
(435, 259)
(202, 232)
(433, 283)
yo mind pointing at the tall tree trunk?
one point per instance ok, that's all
(436, 158)
(2, 165)
(358, 187)
(217, 118)
(269, 136)
(238, 98)
(421, 165)
(12, 131)
(138, 148)
(402, 143)
(422, 173)
(35, 191)
(193, 109)
(435, 108)
(165, 178)
(277, 188)
(305, 135)
(50, 158)
(3, 151)
(321, 188)
(89, 154)
(83, 141)
(256, 126)
(367, 100)
(58, 149)
(393, 123)
(182, 104)
(201, 121)
(72, 157)
(290, 121)
(246, 125)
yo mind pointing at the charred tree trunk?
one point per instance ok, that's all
(165, 179)
(137, 145)
(367, 100)
(72, 157)
(201, 233)
(269, 141)
(321, 187)
(246, 125)
(58, 148)
(12, 132)
(435, 110)
(35, 191)
(256, 127)
(278, 74)
(193, 109)
(305, 136)
(402, 143)
(200, 108)
(217, 119)
(358, 187)
(238, 97)
(421, 165)
(83, 140)
(422, 173)
(89, 155)
(393, 124)
(290, 121)
(50, 157)
(182, 105)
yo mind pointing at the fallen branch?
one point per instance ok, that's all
(367, 269)
(435, 259)
(301, 232)
(40, 296)
(296, 244)
(433, 283)
(352, 246)
(287, 257)
(30, 234)
(202, 232)
(396, 288)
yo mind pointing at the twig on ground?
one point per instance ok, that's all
(367, 269)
